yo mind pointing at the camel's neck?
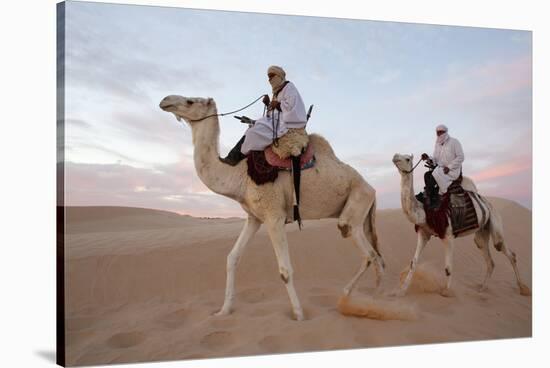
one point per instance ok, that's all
(412, 208)
(217, 176)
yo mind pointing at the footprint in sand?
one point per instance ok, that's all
(252, 296)
(217, 339)
(174, 319)
(125, 340)
(223, 322)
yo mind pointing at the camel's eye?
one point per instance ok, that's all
(190, 102)
(408, 159)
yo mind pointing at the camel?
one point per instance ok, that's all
(489, 221)
(331, 189)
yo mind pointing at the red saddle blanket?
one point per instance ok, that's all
(463, 218)
(264, 166)
(274, 160)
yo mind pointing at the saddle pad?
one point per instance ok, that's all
(259, 170)
(463, 218)
(274, 160)
(437, 218)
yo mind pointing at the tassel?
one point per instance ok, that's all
(297, 216)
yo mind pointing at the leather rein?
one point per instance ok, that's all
(231, 112)
(414, 167)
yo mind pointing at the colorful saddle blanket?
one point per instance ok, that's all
(264, 166)
(274, 160)
(457, 205)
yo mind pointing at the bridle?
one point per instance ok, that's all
(227, 113)
(411, 170)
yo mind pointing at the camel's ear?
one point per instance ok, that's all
(209, 101)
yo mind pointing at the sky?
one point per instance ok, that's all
(378, 88)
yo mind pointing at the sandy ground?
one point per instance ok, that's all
(141, 285)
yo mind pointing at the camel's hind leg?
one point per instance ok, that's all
(362, 244)
(372, 237)
(495, 225)
(481, 239)
(358, 209)
(276, 231)
(250, 228)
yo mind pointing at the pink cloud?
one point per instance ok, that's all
(502, 170)
(476, 85)
(172, 188)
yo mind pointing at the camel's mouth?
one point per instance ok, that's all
(169, 106)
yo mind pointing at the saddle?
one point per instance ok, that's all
(455, 204)
(264, 166)
(292, 153)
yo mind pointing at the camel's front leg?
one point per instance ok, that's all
(250, 228)
(421, 242)
(277, 234)
(449, 248)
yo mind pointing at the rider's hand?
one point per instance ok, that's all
(446, 170)
(265, 100)
(425, 156)
(275, 105)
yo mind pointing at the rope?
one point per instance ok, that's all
(231, 112)
(414, 167)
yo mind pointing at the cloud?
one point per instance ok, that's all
(503, 170)
(490, 89)
(172, 187)
(98, 61)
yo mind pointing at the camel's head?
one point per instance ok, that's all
(404, 163)
(188, 108)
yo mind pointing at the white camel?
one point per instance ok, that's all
(489, 221)
(332, 189)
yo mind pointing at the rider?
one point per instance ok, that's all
(286, 110)
(446, 163)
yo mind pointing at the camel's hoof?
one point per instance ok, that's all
(447, 293)
(398, 293)
(299, 316)
(222, 313)
(524, 290)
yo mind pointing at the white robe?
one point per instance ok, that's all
(449, 154)
(292, 115)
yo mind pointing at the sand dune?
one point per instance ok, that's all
(142, 285)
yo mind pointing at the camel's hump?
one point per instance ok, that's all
(321, 145)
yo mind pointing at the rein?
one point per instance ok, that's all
(231, 112)
(414, 167)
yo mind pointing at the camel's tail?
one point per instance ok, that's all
(370, 228)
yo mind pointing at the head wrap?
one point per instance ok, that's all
(443, 137)
(441, 127)
(278, 81)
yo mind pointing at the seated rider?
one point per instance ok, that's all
(446, 165)
(286, 110)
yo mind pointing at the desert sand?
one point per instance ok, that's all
(142, 285)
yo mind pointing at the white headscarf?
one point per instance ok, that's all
(279, 79)
(441, 139)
